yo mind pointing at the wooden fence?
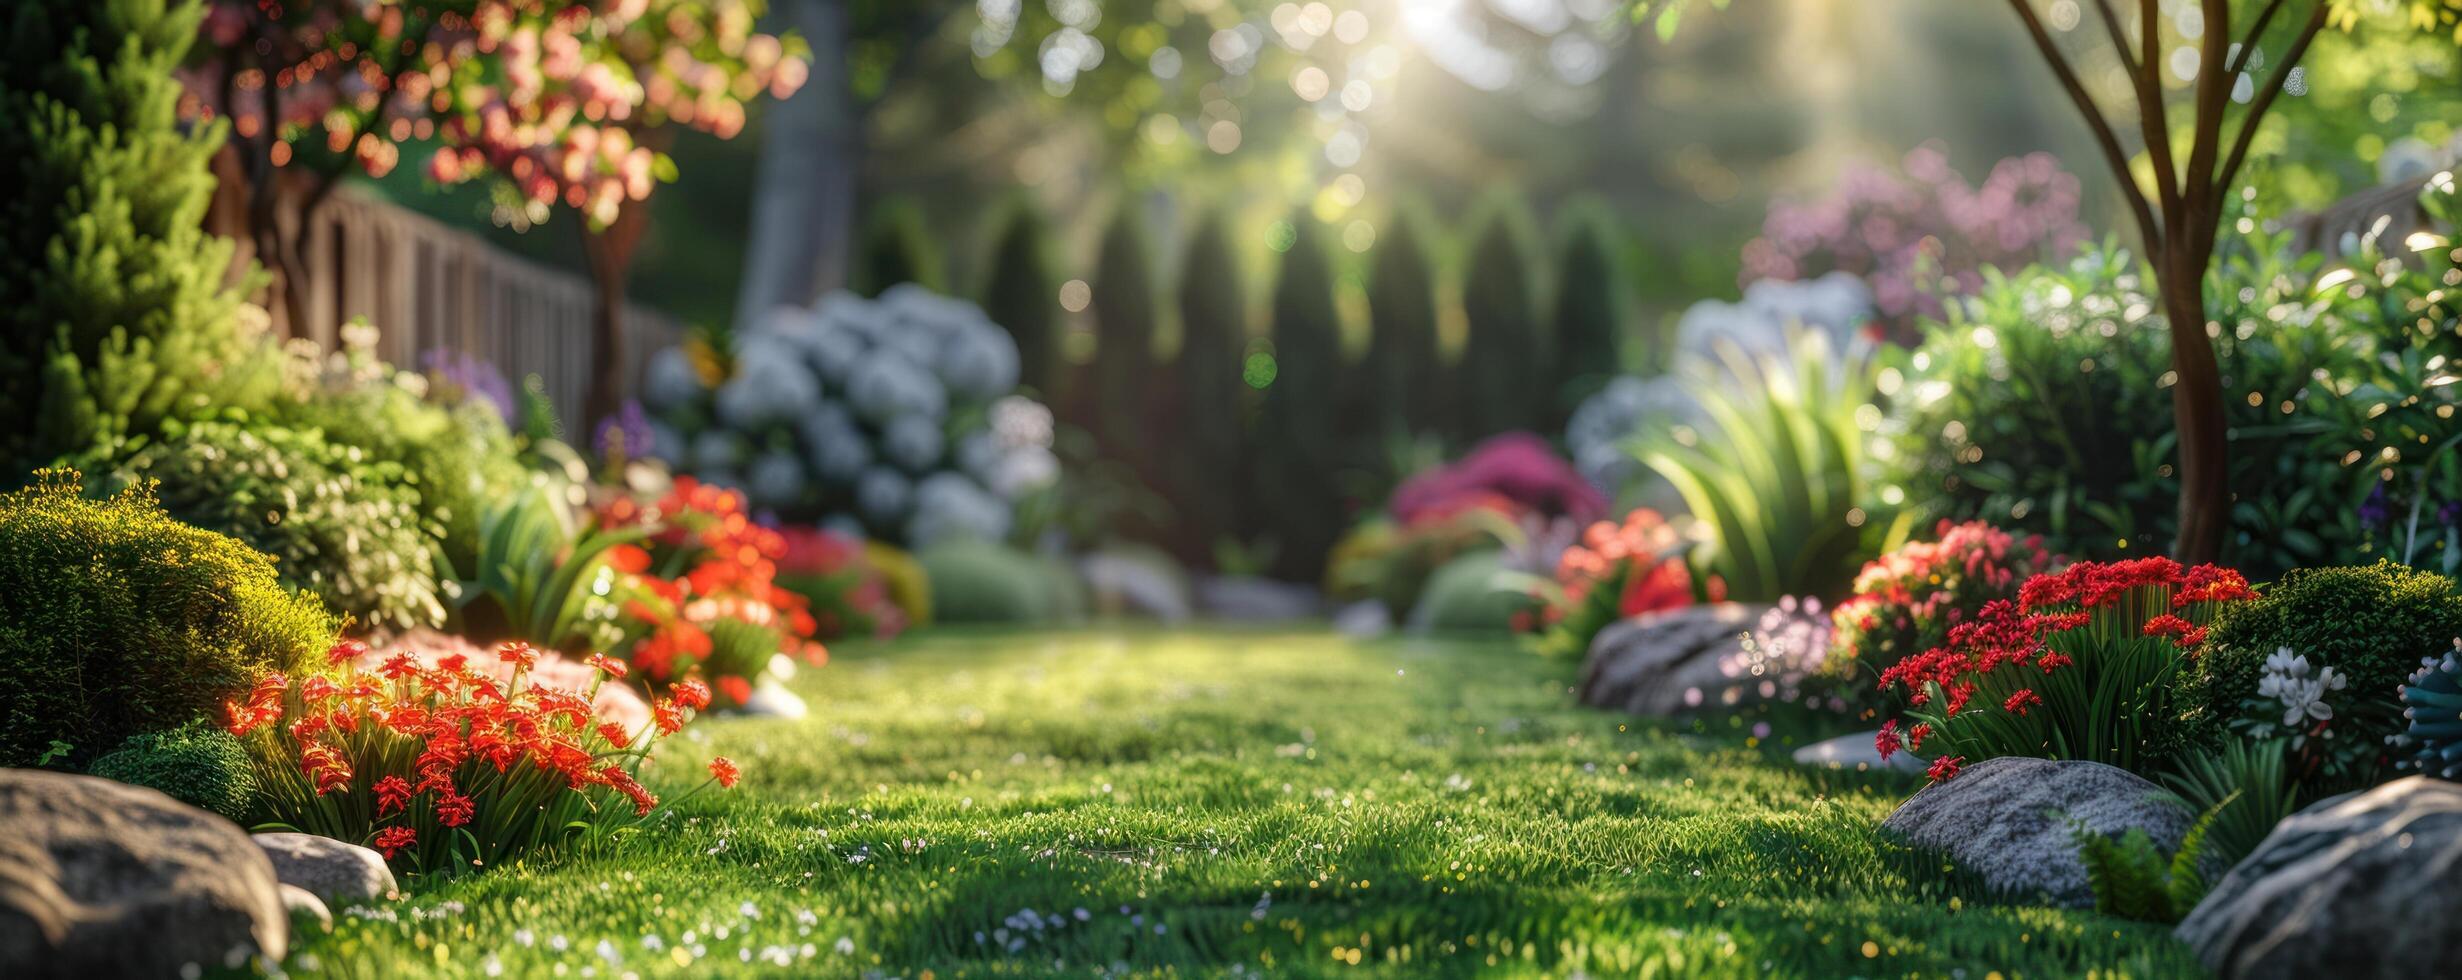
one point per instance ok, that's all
(426, 286)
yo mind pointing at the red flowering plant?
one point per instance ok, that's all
(847, 595)
(1616, 570)
(2079, 666)
(700, 595)
(1908, 600)
(443, 767)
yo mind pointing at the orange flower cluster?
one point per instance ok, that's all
(411, 754)
(1637, 557)
(733, 575)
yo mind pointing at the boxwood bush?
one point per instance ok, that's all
(197, 763)
(116, 620)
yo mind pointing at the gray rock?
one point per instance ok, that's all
(773, 700)
(1257, 600)
(1366, 619)
(2011, 821)
(98, 878)
(300, 901)
(1135, 583)
(1857, 753)
(1663, 662)
(339, 872)
(2353, 887)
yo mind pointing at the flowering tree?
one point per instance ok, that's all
(565, 102)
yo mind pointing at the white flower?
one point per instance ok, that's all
(670, 379)
(888, 385)
(883, 495)
(948, 505)
(912, 442)
(775, 479)
(2287, 680)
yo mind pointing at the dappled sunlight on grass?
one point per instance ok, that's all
(1030, 803)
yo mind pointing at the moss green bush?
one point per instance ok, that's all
(338, 522)
(116, 619)
(197, 764)
(977, 581)
(1469, 594)
(2369, 623)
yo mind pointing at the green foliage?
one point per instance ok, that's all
(2250, 776)
(898, 247)
(1471, 593)
(536, 569)
(1212, 409)
(1392, 564)
(116, 310)
(1471, 754)
(1779, 476)
(1502, 376)
(1022, 294)
(1589, 312)
(2371, 624)
(1301, 446)
(1399, 379)
(116, 619)
(2134, 879)
(976, 581)
(336, 521)
(198, 764)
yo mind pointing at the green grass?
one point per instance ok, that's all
(1225, 803)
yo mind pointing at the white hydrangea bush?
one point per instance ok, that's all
(893, 417)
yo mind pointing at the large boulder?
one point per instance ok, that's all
(99, 878)
(2012, 821)
(340, 873)
(1661, 663)
(2354, 887)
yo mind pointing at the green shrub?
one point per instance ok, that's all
(2133, 879)
(116, 308)
(1503, 371)
(976, 581)
(1022, 295)
(1125, 317)
(897, 247)
(116, 619)
(1474, 592)
(1401, 377)
(2371, 625)
(336, 521)
(459, 458)
(1301, 450)
(1590, 310)
(198, 764)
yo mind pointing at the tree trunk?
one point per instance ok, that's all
(2197, 413)
(803, 201)
(609, 254)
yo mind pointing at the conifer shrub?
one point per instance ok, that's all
(117, 620)
(1502, 376)
(1212, 406)
(1022, 293)
(1125, 315)
(1589, 313)
(197, 763)
(1399, 381)
(897, 247)
(1301, 445)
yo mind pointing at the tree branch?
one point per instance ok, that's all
(2212, 100)
(2147, 227)
(2120, 42)
(2248, 42)
(2267, 95)
(2153, 118)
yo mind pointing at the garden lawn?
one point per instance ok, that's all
(1219, 803)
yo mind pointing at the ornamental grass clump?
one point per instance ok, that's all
(1908, 600)
(2080, 666)
(443, 769)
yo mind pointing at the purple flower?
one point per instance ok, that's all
(2376, 512)
(626, 434)
(2449, 512)
(469, 377)
(1517, 466)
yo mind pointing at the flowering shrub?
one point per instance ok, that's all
(443, 768)
(1617, 570)
(2080, 666)
(1908, 600)
(1922, 231)
(1516, 466)
(834, 573)
(895, 416)
(700, 594)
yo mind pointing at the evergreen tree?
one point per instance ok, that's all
(1590, 311)
(1124, 318)
(1401, 384)
(1300, 445)
(1023, 295)
(108, 281)
(898, 247)
(1502, 377)
(1208, 458)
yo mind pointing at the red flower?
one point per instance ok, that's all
(2020, 701)
(392, 793)
(347, 651)
(693, 694)
(670, 718)
(608, 665)
(615, 735)
(1886, 740)
(738, 690)
(2053, 660)
(454, 809)
(723, 770)
(1945, 767)
(1916, 735)
(519, 654)
(392, 839)
(629, 559)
